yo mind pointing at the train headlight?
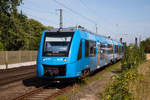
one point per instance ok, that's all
(65, 60)
(43, 59)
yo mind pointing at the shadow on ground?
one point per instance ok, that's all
(37, 82)
(117, 71)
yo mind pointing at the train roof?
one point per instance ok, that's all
(70, 29)
(73, 29)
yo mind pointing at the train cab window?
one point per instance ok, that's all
(91, 49)
(80, 51)
(86, 48)
(57, 44)
(94, 48)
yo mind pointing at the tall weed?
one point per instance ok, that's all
(118, 88)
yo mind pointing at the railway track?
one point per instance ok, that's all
(45, 93)
(49, 92)
(15, 74)
(10, 79)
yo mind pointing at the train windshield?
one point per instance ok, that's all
(57, 44)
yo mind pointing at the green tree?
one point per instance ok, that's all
(17, 32)
(9, 6)
(146, 45)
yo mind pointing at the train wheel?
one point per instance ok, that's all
(88, 72)
(83, 74)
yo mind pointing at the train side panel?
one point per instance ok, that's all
(101, 51)
(40, 69)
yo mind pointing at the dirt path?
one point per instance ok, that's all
(90, 91)
(148, 56)
(141, 88)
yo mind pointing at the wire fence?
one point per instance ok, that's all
(12, 57)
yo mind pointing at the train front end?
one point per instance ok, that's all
(53, 58)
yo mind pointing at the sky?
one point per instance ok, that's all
(125, 19)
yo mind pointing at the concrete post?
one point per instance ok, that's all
(6, 59)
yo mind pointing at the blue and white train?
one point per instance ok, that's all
(73, 52)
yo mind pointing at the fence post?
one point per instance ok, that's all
(30, 52)
(6, 59)
(19, 57)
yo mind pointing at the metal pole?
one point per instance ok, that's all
(121, 40)
(139, 40)
(96, 27)
(6, 59)
(135, 40)
(61, 19)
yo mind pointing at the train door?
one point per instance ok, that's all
(79, 57)
(98, 54)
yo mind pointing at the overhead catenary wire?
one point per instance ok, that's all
(41, 18)
(36, 6)
(86, 18)
(89, 9)
(83, 2)
(85, 6)
(39, 11)
(69, 9)
(75, 12)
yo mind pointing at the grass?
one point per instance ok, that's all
(141, 88)
(63, 97)
(87, 81)
(132, 84)
(110, 68)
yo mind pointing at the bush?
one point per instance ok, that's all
(133, 56)
(1, 46)
(118, 89)
(146, 45)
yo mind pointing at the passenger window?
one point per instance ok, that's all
(94, 48)
(116, 48)
(122, 49)
(86, 48)
(80, 51)
(91, 49)
(105, 49)
(102, 48)
(110, 49)
(119, 49)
